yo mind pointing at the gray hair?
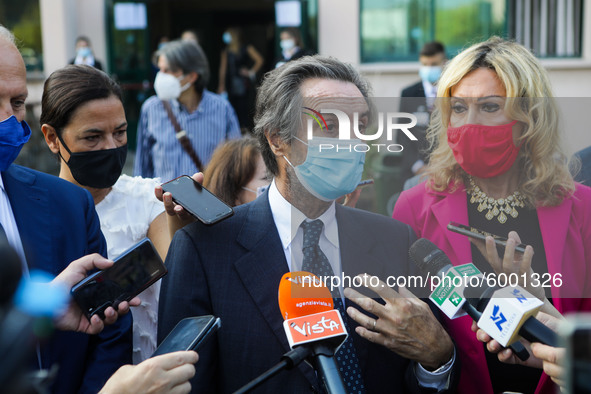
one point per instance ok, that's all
(187, 56)
(7, 35)
(279, 102)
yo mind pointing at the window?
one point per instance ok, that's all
(551, 28)
(23, 18)
(395, 30)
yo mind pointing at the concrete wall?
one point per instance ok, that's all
(61, 22)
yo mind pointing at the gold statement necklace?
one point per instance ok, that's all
(498, 208)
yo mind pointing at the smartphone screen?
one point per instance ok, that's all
(197, 200)
(132, 272)
(481, 234)
(189, 334)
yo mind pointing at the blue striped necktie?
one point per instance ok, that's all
(316, 262)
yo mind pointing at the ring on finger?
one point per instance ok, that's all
(374, 324)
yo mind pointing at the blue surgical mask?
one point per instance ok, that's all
(84, 52)
(430, 74)
(13, 135)
(332, 167)
(260, 190)
(227, 38)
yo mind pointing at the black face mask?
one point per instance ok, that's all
(99, 169)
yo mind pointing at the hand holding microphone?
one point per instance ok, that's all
(504, 319)
(507, 355)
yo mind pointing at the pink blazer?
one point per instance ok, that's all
(566, 232)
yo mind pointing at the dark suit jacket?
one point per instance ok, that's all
(584, 176)
(57, 224)
(415, 90)
(413, 100)
(232, 270)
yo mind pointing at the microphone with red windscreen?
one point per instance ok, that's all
(314, 329)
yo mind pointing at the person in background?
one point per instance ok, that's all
(190, 35)
(292, 46)
(237, 173)
(50, 223)
(498, 165)
(583, 174)
(83, 121)
(84, 54)
(181, 96)
(239, 64)
(418, 99)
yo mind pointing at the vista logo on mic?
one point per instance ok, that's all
(311, 328)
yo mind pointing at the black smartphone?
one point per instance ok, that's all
(197, 200)
(576, 338)
(132, 272)
(189, 334)
(481, 234)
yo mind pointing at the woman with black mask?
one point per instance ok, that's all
(83, 120)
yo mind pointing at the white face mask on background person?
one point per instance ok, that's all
(168, 87)
(287, 44)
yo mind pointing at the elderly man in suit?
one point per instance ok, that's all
(233, 269)
(50, 222)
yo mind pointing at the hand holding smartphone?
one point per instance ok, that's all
(475, 233)
(197, 200)
(189, 334)
(132, 272)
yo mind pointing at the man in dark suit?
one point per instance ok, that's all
(50, 222)
(584, 174)
(418, 99)
(232, 269)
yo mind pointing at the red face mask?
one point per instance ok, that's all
(483, 151)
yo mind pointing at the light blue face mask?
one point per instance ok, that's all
(13, 135)
(227, 38)
(332, 167)
(84, 52)
(430, 74)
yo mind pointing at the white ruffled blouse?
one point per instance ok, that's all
(126, 214)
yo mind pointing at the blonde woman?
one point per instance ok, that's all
(498, 165)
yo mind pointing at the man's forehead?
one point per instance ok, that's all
(11, 61)
(321, 94)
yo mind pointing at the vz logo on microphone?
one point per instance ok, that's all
(498, 317)
(520, 297)
(319, 328)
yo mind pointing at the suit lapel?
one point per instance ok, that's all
(453, 208)
(262, 267)
(32, 214)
